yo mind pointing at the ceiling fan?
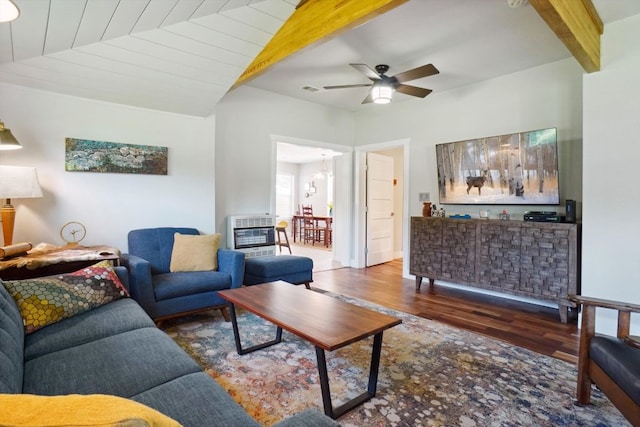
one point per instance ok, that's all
(383, 86)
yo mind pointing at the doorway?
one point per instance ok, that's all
(306, 173)
(380, 209)
(399, 152)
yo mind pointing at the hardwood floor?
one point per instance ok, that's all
(526, 325)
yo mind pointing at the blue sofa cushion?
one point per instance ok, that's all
(179, 397)
(11, 344)
(114, 318)
(151, 245)
(123, 365)
(179, 284)
(618, 360)
(215, 406)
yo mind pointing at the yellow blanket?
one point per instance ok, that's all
(96, 410)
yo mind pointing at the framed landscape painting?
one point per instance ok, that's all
(82, 155)
(514, 169)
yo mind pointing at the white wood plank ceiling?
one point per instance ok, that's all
(173, 55)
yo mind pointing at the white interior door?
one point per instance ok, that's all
(379, 209)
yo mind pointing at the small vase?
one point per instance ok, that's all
(426, 209)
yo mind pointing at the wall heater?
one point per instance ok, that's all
(252, 234)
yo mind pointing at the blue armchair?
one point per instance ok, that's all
(164, 294)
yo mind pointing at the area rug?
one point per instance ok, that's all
(431, 374)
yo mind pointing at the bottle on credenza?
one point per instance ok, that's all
(426, 208)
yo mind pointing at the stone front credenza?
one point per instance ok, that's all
(530, 259)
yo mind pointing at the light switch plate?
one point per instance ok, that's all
(424, 197)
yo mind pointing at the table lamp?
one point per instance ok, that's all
(16, 182)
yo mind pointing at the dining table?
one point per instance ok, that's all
(319, 220)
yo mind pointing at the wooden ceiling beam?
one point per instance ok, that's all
(314, 21)
(578, 25)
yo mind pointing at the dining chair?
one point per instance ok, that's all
(311, 231)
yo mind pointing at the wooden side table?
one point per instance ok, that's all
(59, 260)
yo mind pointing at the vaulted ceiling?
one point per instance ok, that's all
(183, 56)
(173, 55)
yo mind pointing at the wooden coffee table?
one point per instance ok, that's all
(326, 322)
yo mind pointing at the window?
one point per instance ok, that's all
(284, 196)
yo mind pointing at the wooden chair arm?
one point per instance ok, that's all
(604, 303)
(587, 372)
(633, 341)
(589, 314)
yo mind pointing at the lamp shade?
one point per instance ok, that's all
(19, 182)
(7, 140)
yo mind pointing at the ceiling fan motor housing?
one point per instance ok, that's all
(382, 68)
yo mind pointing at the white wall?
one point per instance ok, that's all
(285, 168)
(611, 155)
(108, 204)
(247, 118)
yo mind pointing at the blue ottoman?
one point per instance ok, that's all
(290, 268)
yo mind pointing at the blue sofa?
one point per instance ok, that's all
(116, 349)
(164, 294)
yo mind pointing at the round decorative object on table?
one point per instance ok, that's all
(73, 232)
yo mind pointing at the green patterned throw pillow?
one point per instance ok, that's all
(46, 300)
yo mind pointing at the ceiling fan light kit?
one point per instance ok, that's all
(383, 86)
(381, 93)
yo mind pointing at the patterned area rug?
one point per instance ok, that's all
(431, 374)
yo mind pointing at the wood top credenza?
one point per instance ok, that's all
(528, 259)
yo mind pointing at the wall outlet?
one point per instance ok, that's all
(424, 197)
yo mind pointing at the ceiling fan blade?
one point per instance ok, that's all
(347, 86)
(417, 73)
(413, 90)
(367, 71)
